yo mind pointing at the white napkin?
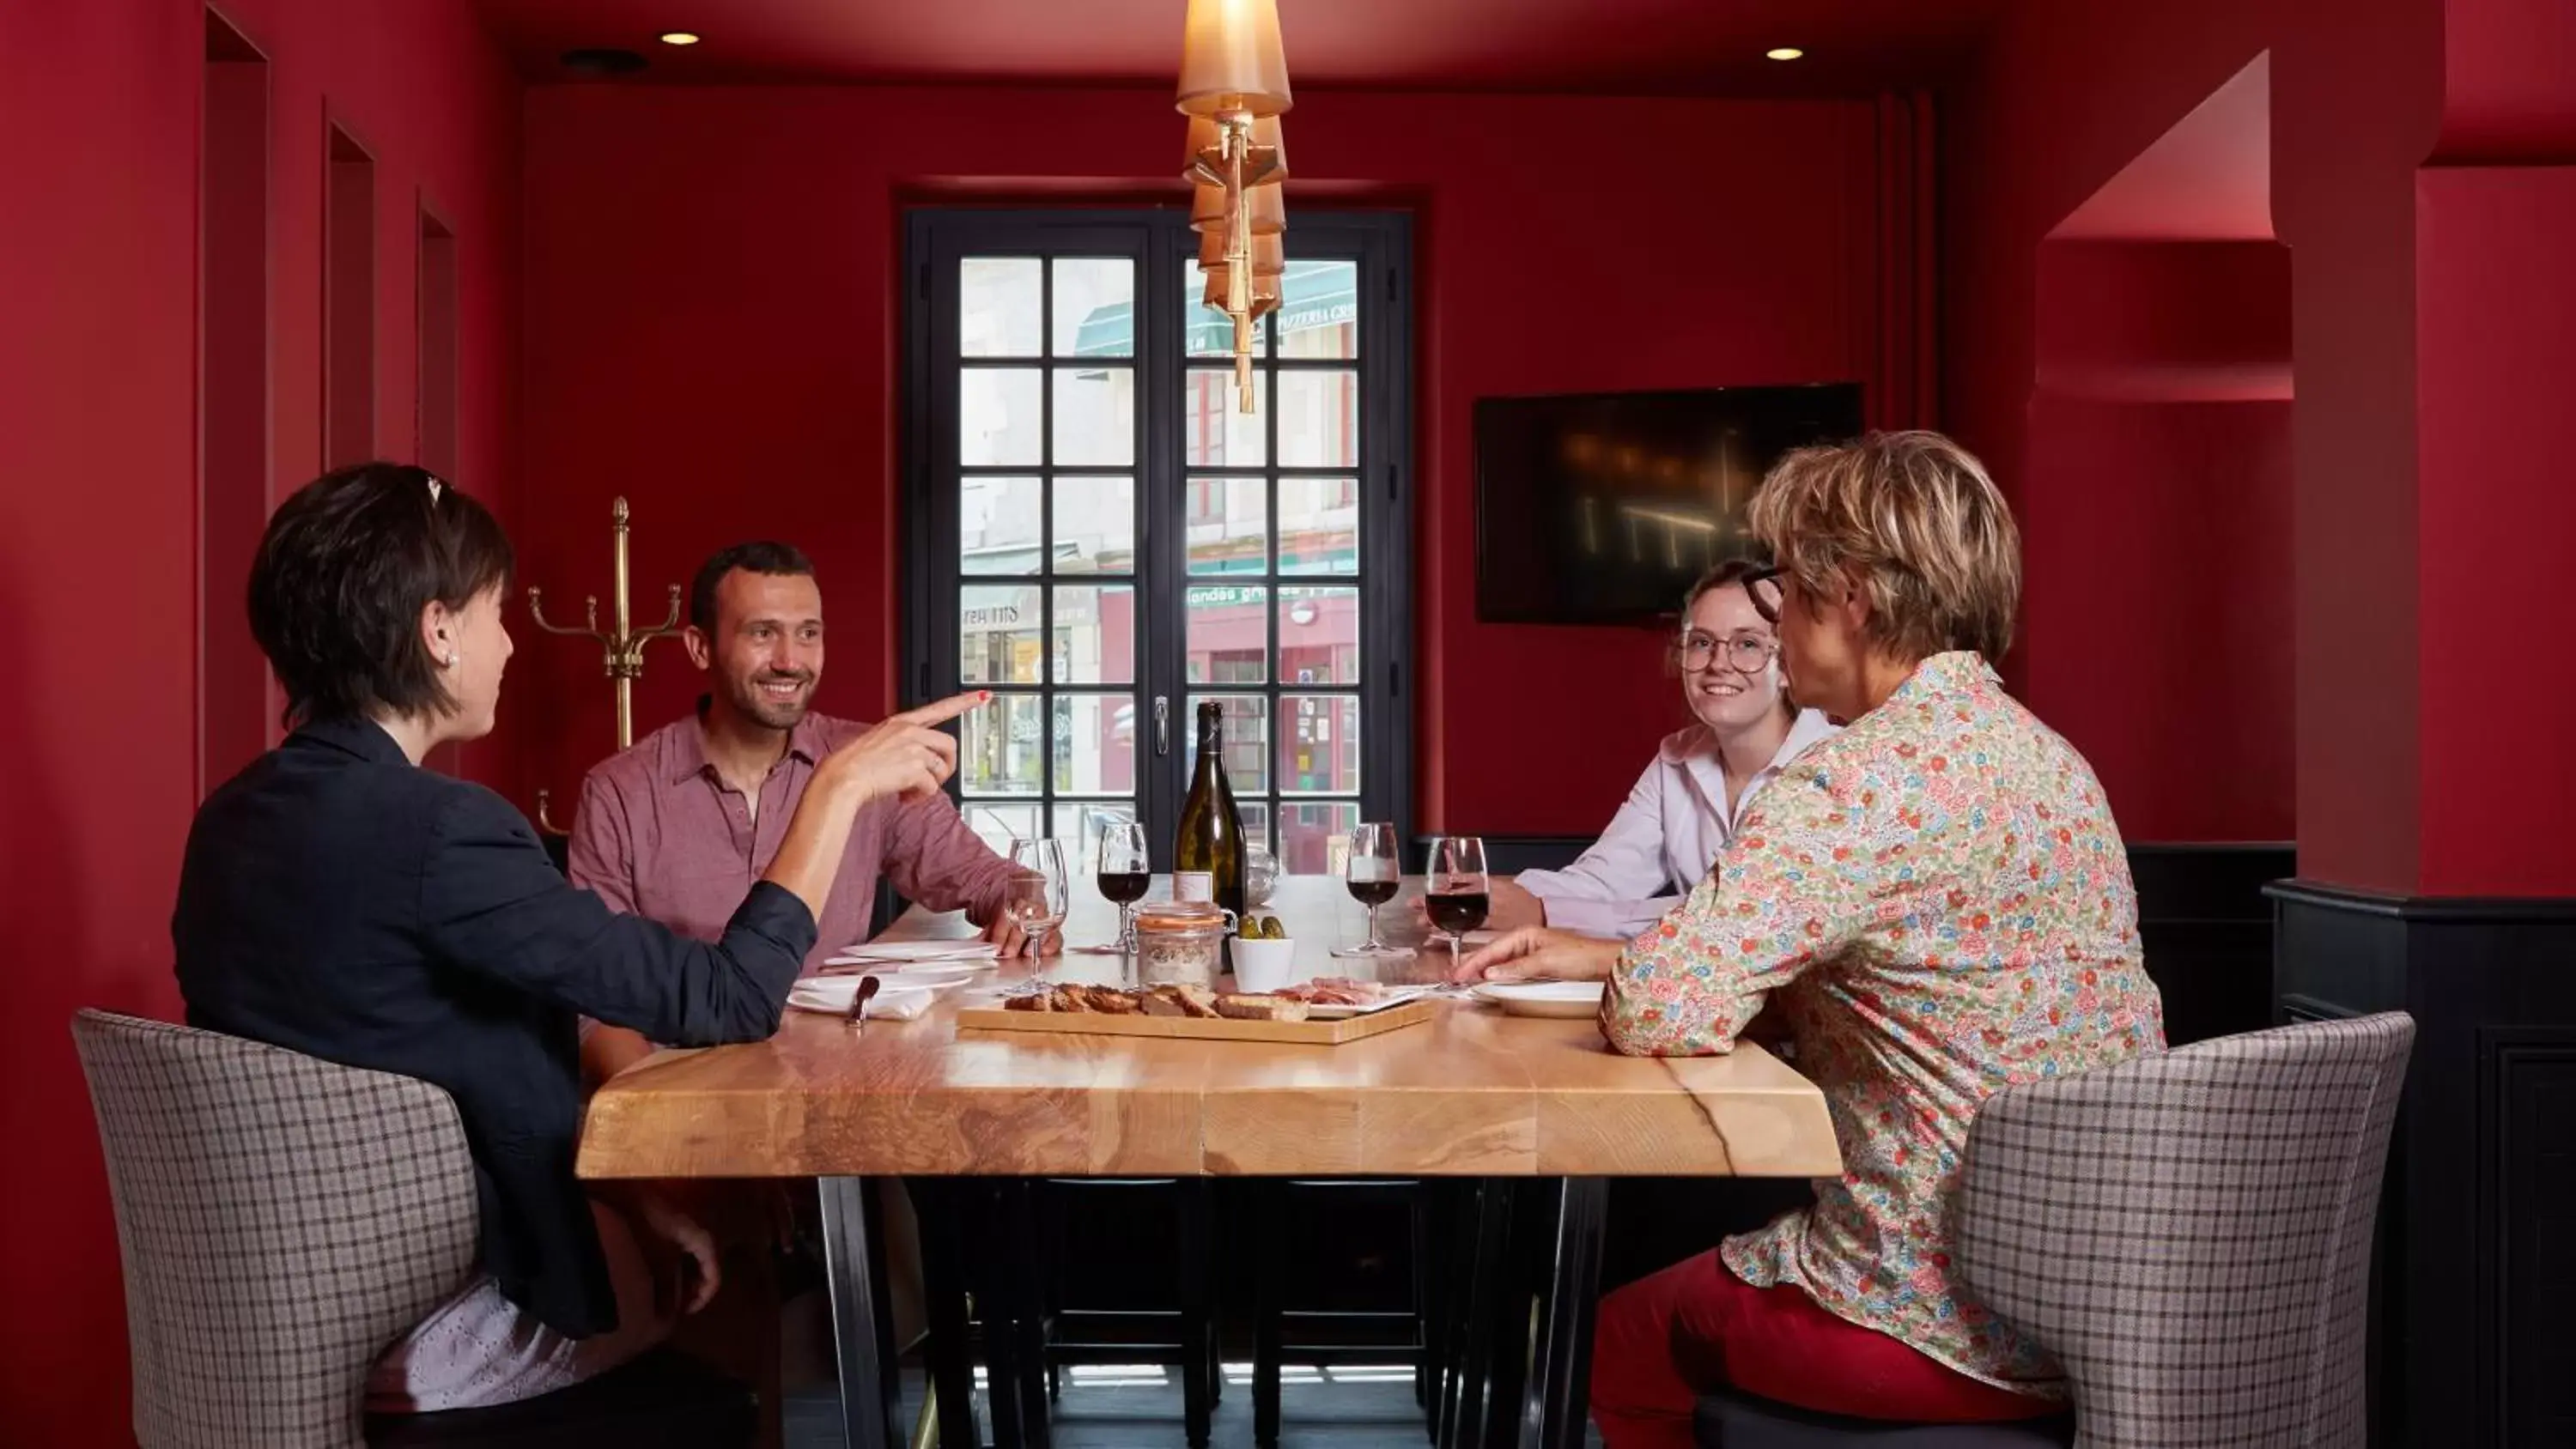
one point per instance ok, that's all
(833, 994)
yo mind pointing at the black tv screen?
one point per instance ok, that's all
(1602, 508)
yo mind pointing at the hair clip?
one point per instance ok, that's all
(434, 486)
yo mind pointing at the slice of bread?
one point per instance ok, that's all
(1176, 999)
(1260, 1008)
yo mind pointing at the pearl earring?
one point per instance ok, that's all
(450, 660)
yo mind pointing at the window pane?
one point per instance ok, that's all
(998, 825)
(1215, 433)
(1095, 416)
(1095, 634)
(998, 419)
(1095, 744)
(1319, 419)
(1245, 733)
(1319, 744)
(1319, 310)
(1306, 829)
(1095, 525)
(1319, 525)
(997, 525)
(1078, 824)
(997, 634)
(1229, 634)
(1228, 525)
(1319, 636)
(1256, 820)
(1095, 307)
(1001, 748)
(1211, 332)
(997, 307)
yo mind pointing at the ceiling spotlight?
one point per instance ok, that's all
(679, 37)
(1785, 52)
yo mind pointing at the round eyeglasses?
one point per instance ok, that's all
(1744, 653)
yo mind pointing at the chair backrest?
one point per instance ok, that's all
(282, 1220)
(2190, 1232)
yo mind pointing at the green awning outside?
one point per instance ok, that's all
(1312, 294)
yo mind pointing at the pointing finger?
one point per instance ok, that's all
(946, 709)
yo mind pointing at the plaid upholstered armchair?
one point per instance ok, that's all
(2190, 1234)
(283, 1220)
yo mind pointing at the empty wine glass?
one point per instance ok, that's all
(1037, 895)
(1372, 874)
(1456, 893)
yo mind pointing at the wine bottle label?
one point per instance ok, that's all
(1193, 885)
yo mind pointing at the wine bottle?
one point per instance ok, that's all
(1207, 860)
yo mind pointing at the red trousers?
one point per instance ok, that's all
(1664, 1338)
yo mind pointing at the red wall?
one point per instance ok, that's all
(2060, 101)
(712, 330)
(2421, 165)
(98, 543)
(2155, 512)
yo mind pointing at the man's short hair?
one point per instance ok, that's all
(780, 560)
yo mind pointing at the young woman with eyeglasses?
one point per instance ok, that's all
(1685, 805)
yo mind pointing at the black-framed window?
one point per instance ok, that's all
(1095, 531)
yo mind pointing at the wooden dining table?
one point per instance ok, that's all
(1472, 1092)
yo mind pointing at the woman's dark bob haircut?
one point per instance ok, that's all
(342, 575)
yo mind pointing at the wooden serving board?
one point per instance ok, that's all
(1213, 1028)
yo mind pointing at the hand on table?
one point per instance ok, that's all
(1005, 932)
(1509, 908)
(1534, 953)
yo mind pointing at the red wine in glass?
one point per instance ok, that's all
(1119, 887)
(1372, 893)
(1458, 912)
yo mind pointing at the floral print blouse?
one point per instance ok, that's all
(1939, 904)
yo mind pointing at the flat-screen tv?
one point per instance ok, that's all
(1602, 508)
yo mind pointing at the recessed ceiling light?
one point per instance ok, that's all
(1785, 52)
(679, 37)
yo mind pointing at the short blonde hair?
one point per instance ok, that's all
(1912, 518)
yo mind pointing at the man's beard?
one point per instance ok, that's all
(776, 714)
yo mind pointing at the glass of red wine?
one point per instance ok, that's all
(1124, 874)
(1372, 875)
(1456, 893)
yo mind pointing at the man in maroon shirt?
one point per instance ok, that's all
(678, 827)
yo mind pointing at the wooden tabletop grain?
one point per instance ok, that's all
(1472, 1092)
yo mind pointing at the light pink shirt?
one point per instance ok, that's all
(661, 835)
(1663, 840)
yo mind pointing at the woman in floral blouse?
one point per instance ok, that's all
(1934, 903)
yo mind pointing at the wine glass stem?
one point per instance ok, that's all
(1372, 943)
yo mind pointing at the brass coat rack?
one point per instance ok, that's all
(621, 649)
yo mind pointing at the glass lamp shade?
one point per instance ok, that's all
(1269, 209)
(1207, 207)
(1231, 59)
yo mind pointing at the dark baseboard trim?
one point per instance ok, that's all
(2460, 910)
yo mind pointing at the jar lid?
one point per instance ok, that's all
(1179, 915)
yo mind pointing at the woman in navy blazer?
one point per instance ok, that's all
(341, 901)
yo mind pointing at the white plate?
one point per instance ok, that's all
(833, 994)
(880, 952)
(930, 975)
(1544, 998)
(1392, 998)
